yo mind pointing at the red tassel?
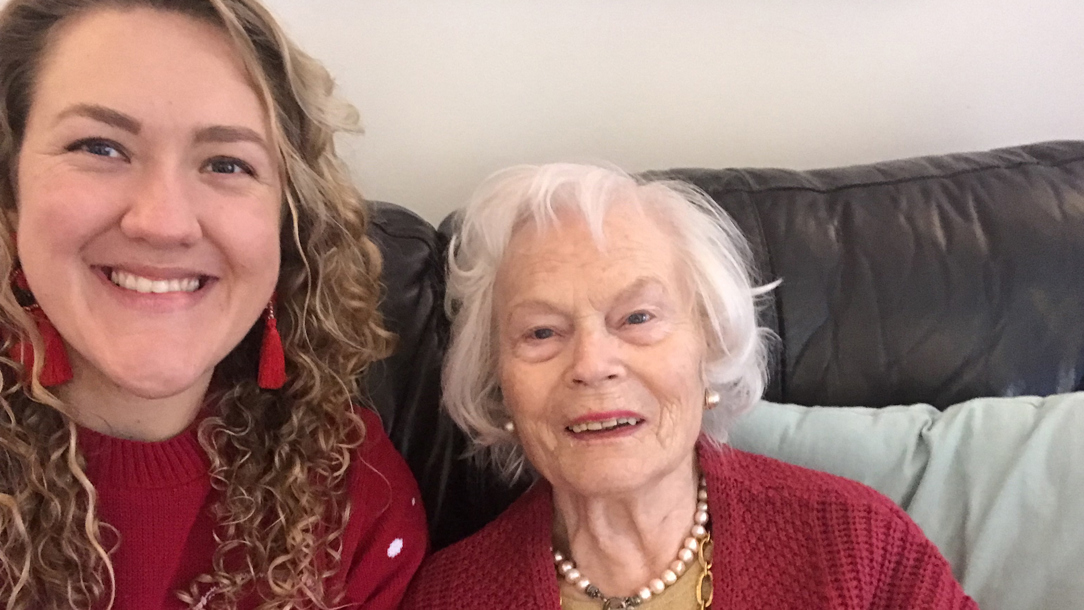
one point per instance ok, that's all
(56, 369)
(272, 373)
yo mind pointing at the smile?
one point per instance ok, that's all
(145, 285)
(604, 425)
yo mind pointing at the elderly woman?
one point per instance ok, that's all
(604, 338)
(176, 428)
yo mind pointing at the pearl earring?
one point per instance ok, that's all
(711, 399)
(510, 427)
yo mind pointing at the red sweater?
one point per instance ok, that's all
(158, 496)
(785, 538)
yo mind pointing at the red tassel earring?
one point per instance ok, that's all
(55, 369)
(272, 373)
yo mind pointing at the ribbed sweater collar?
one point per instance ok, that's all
(119, 463)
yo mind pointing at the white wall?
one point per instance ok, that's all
(451, 90)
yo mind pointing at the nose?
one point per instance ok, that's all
(162, 209)
(596, 358)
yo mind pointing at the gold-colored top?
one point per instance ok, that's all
(682, 595)
(679, 596)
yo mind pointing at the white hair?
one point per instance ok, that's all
(719, 267)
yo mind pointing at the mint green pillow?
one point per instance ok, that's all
(996, 483)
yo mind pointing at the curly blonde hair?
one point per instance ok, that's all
(278, 459)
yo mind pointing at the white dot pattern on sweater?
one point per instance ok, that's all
(395, 547)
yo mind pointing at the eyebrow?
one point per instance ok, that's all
(641, 284)
(102, 115)
(225, 134)
(636, 288)
(222, 134)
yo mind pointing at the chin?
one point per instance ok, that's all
(158, 382)
(604, 482)
(157, 387)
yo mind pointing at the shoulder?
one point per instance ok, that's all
(808, 524)
(386, 535)
(376, 455)
(516, 545)
(822, 514)
(769, 479)
(379, 478)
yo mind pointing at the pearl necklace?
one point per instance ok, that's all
(699, 531)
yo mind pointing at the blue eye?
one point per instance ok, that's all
(227, 165)
(542, 333)
(639, 317)
(98, 148)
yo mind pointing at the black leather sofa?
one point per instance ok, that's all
(935, 280)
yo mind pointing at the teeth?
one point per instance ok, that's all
(149, 286)
(608, 424)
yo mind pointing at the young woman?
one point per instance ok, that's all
(192, 300)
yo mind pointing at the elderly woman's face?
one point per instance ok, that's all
(148, 199)
(600, 353)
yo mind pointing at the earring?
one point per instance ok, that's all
(272, 373)
(55, 367)
(711, 399)
(510, 427)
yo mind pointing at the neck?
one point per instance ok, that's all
(622, 541)
(97, 403)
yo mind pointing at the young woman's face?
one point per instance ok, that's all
(149, 199)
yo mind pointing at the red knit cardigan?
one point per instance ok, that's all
(785, 537)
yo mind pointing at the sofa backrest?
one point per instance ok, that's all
(936, 280)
